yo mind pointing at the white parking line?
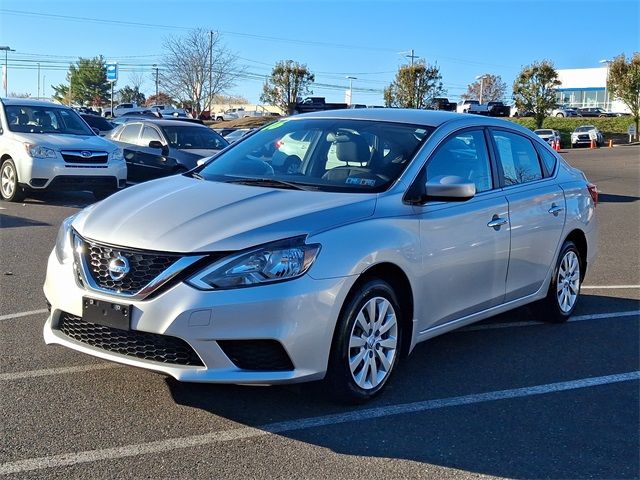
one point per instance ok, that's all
(210, 438)
(609, 287)
(7, 377)
(579, 318)
(10, 316)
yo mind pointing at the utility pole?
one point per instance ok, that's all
(156, 68)
(481, 78)
(412, 56)
(6, 68)
(44, 82)
(38, 80)
(351, 79)
(210, 69)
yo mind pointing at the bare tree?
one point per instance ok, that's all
(186, 67)
(490, 87)
(136, 80)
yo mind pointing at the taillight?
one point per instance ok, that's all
(278, 144)
(593, 191)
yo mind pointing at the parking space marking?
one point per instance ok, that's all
(609, 287)
(579, 318)
(134, 450)
(7, 377)
(10, 316)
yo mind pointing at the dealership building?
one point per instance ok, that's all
(587, 87)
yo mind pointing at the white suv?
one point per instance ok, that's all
(44, 146)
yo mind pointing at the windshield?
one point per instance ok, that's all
(191, 137)
(31, 119)
(323, 154)
(544, 132)
(585, 129)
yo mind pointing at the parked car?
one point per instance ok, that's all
(463, 106)
(594, 112)
(581, 136)
(229, 114)
(45, 146)
(441, 103)
(562, 111)
(491, 109)
(548, 135)
(168, 111)
(98, 124)
(156, 148)
(237, 134)
(123, 108)
(236, 272)
(317, 104)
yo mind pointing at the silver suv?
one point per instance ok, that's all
(398, 225)
(44, 146)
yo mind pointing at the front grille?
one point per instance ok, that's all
(132, 343)
(89, 157)
(583, 137)
(83, 182)
(261, 355)
(143, 266)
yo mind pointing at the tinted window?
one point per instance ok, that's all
(98, 122)
(130, 133)
(194, 137)
(149, 134)
(45, 119)
(464, 155)
(548, 159)
(518, 158)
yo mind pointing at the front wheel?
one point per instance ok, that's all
(559, 115)
(9, 186)
(366, 343)
(564, 291)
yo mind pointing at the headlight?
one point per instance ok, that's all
(64, 249)
(284, 260)
(117, 155)
(37, 151)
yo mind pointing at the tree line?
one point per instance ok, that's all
(198, 67)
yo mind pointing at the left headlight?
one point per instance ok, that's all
(117, 155)
(275, 262)
(64, 249)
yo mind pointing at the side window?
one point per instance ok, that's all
(149, 134)
(464, 155)
(548, 159)
(518, 158)
(130, 133)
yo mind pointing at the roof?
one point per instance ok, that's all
(163, 122)
(31, 102)
(432, 118)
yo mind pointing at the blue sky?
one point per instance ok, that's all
(334, 38)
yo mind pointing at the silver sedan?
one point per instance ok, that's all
(389, 227)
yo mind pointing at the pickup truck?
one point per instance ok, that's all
(490, 109)
(463, 106)
(440, 103)
(317, 104)
(123, 108)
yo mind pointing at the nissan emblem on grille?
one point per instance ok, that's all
(118, 267)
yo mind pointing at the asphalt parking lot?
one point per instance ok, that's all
(510, 397)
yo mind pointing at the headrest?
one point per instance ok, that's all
(355, 150)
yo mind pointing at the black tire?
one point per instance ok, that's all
(559, 114)
(10, 189)
(549, 309)
(219, 119)
(340, 379)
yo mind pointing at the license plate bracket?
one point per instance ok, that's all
(105, 313)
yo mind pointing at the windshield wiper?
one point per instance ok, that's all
(196, 175)
(271, 182)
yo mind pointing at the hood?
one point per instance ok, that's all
(57, 141)
(183, 214)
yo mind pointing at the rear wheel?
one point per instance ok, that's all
(366, 343)
(9, 187)
(564, 291)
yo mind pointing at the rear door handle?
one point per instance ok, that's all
(496, 222)
(555, 210)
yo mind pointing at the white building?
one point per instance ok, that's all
(587, 87)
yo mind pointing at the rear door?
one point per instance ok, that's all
(536, 212)
(127, 139)
(151, 162)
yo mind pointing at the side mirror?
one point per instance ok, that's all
(449, 187)
(155, 144)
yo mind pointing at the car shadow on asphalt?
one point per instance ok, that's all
(522, 438)
(613, 198)
(9, 221)
(60, 199)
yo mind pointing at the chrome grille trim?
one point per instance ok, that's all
(85, 276)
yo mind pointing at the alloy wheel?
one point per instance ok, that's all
(7, 180)
(373, 343)
(568, 281)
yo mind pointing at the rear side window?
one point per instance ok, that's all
(518, 158)
(149, 134)
(548, 159)
(130, 133)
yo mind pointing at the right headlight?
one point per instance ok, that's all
(117, 155)
(274, 262)
(64, 248)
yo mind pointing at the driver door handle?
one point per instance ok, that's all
(496, 222)
(555, 210)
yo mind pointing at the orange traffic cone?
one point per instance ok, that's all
(557, 145)
(593, 144)
(610, 143)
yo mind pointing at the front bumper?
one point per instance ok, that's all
(300, 314)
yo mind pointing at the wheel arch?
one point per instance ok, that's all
(578, 237)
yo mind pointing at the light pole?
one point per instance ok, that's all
(38, 80)
(156, 68)
(6, 68)
(351, 79)
(606, 85)
(481, 78)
